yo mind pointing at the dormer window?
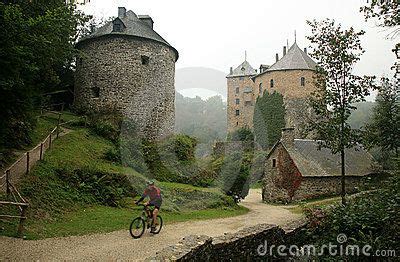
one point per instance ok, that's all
(118, 25)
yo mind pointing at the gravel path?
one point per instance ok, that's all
(119, 245)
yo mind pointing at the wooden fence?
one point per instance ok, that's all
(22, 166)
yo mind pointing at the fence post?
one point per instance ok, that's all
(22, 221)
(8, 182)
(50, 141)
(41, 151)
(27, 162)
(58, 124)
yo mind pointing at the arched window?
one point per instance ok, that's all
(260, 88)
(271, 83)
(302, 81)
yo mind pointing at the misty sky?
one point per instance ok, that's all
(216, 33)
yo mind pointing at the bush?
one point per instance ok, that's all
(243, 134)
(368, 219)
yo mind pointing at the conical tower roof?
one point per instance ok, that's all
(294, 59)
(244, 69)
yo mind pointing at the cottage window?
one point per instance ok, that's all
(260, 88)
(145, 60)
(237, 112)
(237, 90)
(302, 81)
(273, 162)
(271, 83)
(237, 101)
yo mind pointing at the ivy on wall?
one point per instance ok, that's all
(269, 119)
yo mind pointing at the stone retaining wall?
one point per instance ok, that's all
(238, 246)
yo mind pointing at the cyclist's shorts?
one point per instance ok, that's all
(156, 203)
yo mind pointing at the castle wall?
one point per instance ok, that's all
(111, 76)
(288, 83)
(246, 103)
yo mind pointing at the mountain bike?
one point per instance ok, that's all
(145, 220)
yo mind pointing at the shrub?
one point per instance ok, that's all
(242, 134)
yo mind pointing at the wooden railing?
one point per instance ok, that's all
(18, 201)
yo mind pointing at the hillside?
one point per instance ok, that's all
(79, 188)
(201, 78)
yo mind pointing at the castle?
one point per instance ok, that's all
(126, 66)
(291, 76)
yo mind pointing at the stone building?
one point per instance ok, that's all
(126, 66)
(292, 76)
(296, 169)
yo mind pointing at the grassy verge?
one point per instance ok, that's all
(63, 200)
(315, 203)
(103, 219)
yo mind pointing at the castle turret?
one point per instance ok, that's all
(240, 97)
(117, 72)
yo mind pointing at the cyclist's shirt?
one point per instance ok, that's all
(152, 192)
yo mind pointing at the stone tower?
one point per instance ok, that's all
(241, 99)
(291, 76)
(126, 66)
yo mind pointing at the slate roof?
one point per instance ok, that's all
(313, 162)
(134, 27)
(244, 69)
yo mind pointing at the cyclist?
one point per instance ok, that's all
(154, 193)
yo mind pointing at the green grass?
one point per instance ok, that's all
(102, 219)
(313, 203)
(58, 208)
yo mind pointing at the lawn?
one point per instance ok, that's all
(102, 219)
(61, 208)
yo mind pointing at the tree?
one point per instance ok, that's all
(337, 50)
(36, 46)
(383, 128)
(386, 12)
(269, 119)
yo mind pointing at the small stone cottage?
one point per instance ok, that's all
(297, 169)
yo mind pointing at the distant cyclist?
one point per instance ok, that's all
(154, 193)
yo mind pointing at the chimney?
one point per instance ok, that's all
(276, 57)
(121, 12)
(305, 50)
(147, 20)
(231, 71)
(288, 136)
(284, 50)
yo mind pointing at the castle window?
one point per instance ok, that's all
(145, 60)
(260, 88)
(237, 90)
(96, 91)
(271, 83)
(247, 103)
(274, 162)
(237, 112)
(237, 123)
(237, 101)
(302, 81)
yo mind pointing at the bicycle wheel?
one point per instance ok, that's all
(159, 225)
(137, 227)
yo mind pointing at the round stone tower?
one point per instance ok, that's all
(127, 67)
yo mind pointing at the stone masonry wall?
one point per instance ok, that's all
(111, 76)
(245, 106)
(310, 187)
(239, 246)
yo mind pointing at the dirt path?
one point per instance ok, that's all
(119, 245)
